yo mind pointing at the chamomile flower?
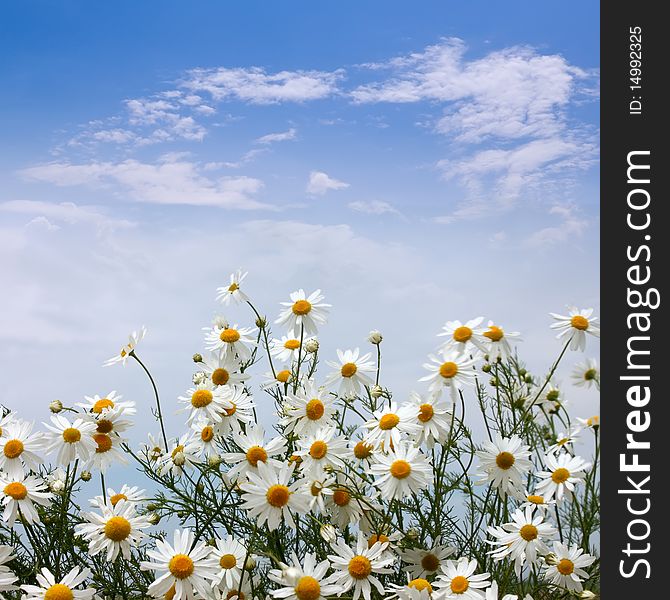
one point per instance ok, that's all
(308, 410)
(321, 450)
(65, 589)
(153, 448)
(426, 563)
(350, 371)
(133, 339)
(463, 337)
(389, 424)
(304, 312)
(281, 378)
(552, 399)
(532, 500)
(18, 448)
(223, 369)
(522, 539)
(230, 555)
(591, 422)
(452, 370)
(10, 417)
(269, 497)
(232, 291)
(434, 415)
(568, 571)
(402, 472)
(496, 342)
(116, 531)
(586, 374)
(107, 451)
(318, 488)
(286, 348)
(131, 494)
(362, 451)
(563, 473)
(70, 440)
(504, 462)
(206, 437)
(345, 508)
(189, 569)
(22, 493)
(416, 589)
(99, 404)
(241, 411)
(460, 582)
(231, 341)
(56, 480)
(7, 577)
(182, 456)
(564, 441)
(306, 581)
(205, 402)
(253, 450)
(575, 325)
(358, 567)
(112, 421)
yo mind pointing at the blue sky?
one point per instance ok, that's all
(418, 163)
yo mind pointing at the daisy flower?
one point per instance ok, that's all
(416, 589)
(206, 436)
(281, 378)
(434, 417)
(183, 456)
(576, 324)
(241, 411)
(586, 374)
(133, 339)
(496, 342)
(111, 421)
(344, 508)
(230, 554)
(319, 489)
(552, 399)
(17, 448)
(402, 472)
(205, 402)
(388, 425)
(21, 493)
(253, 450)
(567, 570)
(189, 569)
(115, 531)
(70, 440)
(286, 348)
(232, 291)
(564, 441)
(222, 369)
(308, 410)
(356, 568)
(462, 337)
(321, 450)
(269, 497)
(522, 539)
(56, 480)
(231, 341)
(107, 452)
(351, 369)
(10, 417)
(153, 448)
(591, 422)
(563, 473)
(504, 462)
(132, 495)
(426, 563)
(304, 582)
(98, 405)
(7, 577)
(459, 581)
(362, 451)
(452, 370)
(304, 312)
(65, 589)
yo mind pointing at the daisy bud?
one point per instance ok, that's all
(587, 595)
(57, 486)
(152, 506)
(86, 476)
(494, 381)
(528, 379)
(214, 460)
(211, 542)
(56, 406)
(375, 337)
(179, 459)
(551, 559)
(154, 518)
(376, 391)
(312, 345)
(412, 534)
(261, 322)
(486, 368)
(522, 372)
(200, 488)
(198, 378)
(250, 563)
(197, 358)
(328, 533)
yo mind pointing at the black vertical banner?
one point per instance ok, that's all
(635, 262)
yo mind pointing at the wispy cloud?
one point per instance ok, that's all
(571, 224)
(374, 207)
(319, 183)
(282, 136)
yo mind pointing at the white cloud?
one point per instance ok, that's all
(42, 223)
(571, 226)
(283, 136)
(375, 207)
(320, 182)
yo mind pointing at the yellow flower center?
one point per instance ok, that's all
(316, 488)
(101, 405)
(292, 344)
(552, 395)
(256, 454)
(426, 413)
(233, 287)
(565, 566)
(59, 591)
(579, 322)
(229, 336)
(301, 308)
(560, 475)
(495, 334)
(362, 450)
(593, 421)
(430, 563)
(71, 435)
(117, 529)
(13, 448)
(349, 369)
(201, 398)
(181, 566)
(400, 469)
(315, 409)
(459, 584)
(535, 499)
(278, 496)
(228, 561)
(448, 369)
(231, 411)
(116, 498)
(283, 376)
(505, 460)
(341, 497)
(207, 434)
(16, 490)
(562, 441)
(389, 421)
(359, 567)
(220, 376)
(420, 584)
(590, 374)
(528, 532)
(170, 594)
(318, 449)
(307, 588)
(235, 594)
(462, 334)
(103, 441)
(104, 426)
(381, 538)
